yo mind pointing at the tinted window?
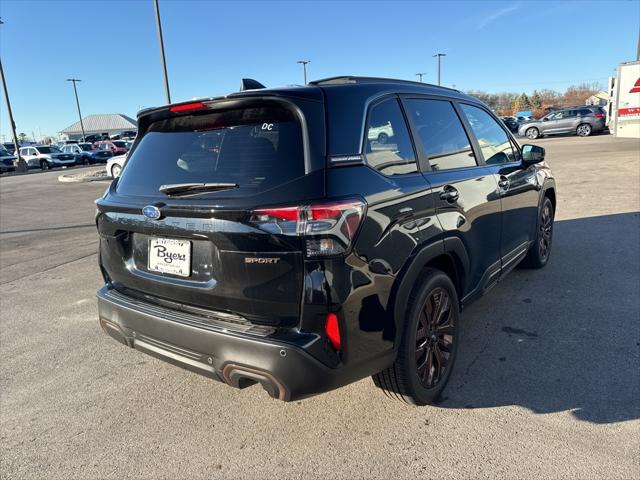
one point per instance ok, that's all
(257, 148)
(388, 145)
(585, 111)
(494, 141)
(48, 150)
(441, 133)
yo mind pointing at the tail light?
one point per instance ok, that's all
(599, 115)
(328, 228)
(332, 330)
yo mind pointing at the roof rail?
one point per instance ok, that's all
(345, 79)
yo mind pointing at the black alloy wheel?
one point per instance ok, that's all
(429, 344)
(434, 338)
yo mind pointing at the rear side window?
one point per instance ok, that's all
(441, 133)
(494, 141)
(256, 148)
(388, 145)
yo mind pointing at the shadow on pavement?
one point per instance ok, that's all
(566, 337)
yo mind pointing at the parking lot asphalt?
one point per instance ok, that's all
(547, 383)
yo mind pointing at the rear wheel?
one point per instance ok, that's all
(583, 130)
(532, 133)
(44, 165)
(86, 161)
(539, 253)
(429, 343)
(115, 170)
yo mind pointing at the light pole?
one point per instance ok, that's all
(419, 75)
(438, 56)
(304, 66)
(164, 62)
(75, 90)
(21, 166)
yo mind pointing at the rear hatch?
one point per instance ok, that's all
(179, 225)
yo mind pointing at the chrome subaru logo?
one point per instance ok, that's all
(151, 212)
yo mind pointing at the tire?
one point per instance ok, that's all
(383, 138)
(86, 161)
(584, 130)
(539, 253)
(44, 165)
(532, 133)
(416, 376)
(115, 170)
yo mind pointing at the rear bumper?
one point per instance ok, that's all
(285, 370)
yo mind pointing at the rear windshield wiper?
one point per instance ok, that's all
(177, 189)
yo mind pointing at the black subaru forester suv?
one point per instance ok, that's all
(303, 238)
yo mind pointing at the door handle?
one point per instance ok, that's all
(503, 182)
(449, 194)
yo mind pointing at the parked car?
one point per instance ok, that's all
(46, 157)
(116, 147)
(95, 138)
(85, 154)
(582, 121)
(10, 147)
(128, 135)
(511, 123)
(7, 161)
(115, 165)
(381, 133)
(288, 247)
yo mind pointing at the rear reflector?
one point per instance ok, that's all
(186, 107)
(332, 330)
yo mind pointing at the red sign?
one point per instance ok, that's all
(636, 87)
(629, 111)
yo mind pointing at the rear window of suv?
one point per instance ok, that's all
(256, 148)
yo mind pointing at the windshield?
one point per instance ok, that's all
(3, 151)
(86, 146)
(120, 144)
(255, 148)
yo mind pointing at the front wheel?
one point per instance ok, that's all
(583, 130)
(115, 170)
(532, 133)
(429, 343)
(539, 253)
(44, 165)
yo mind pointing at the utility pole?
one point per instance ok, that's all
(438, 56)
(164, 62)
(304, 66)
(419, 75)
(22, 165)
(75, 90)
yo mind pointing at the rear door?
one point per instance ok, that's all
(212, 250)
(465, 191)
(567, 121)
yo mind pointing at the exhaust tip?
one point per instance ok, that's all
(239, 376)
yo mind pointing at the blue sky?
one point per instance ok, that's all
(112, 46)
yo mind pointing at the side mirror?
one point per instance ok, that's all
(532, 154)
(545, 119)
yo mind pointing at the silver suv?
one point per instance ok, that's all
(582, 121)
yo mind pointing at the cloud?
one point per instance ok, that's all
(496, 15)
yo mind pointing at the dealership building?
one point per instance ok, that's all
(102, 124)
